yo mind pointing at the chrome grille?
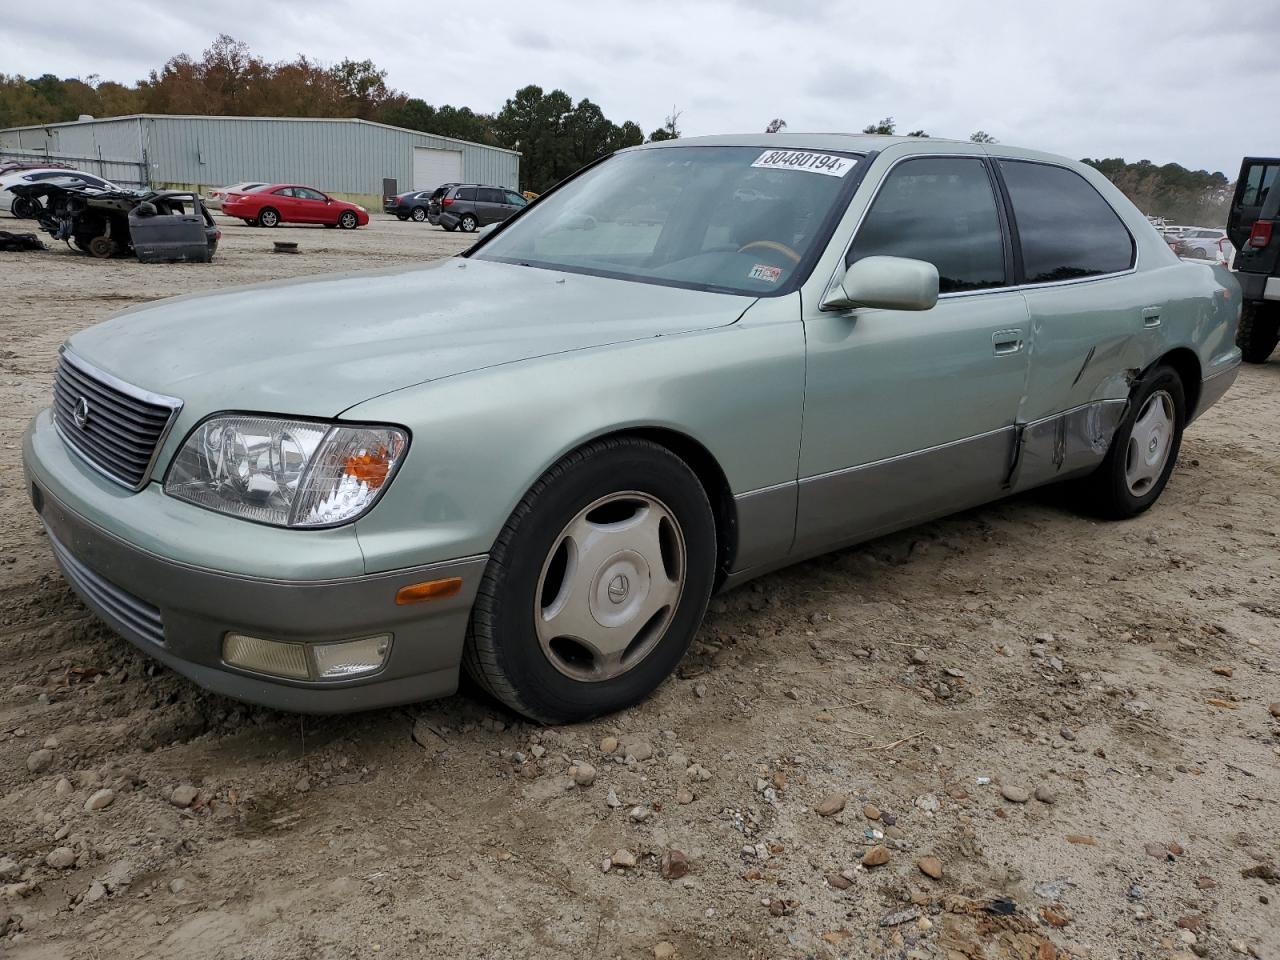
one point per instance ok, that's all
(125, 612)
(116, 427)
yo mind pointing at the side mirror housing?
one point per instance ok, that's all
(886, 283)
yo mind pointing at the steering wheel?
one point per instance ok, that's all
(774, 245)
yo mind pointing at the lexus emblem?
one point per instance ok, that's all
(619, 587)
(81, 413)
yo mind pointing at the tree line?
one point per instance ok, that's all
(554, 134)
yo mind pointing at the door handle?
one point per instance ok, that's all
(1006, 342)
(1151, 316)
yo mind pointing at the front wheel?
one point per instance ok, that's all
(596, 584)
(419, 214)
(468, 223)
(1143, 451)
(1259, 331)
(348, 220)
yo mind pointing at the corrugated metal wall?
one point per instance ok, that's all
(109, 148)
(339, 156)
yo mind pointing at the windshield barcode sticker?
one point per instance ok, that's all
(825, 163)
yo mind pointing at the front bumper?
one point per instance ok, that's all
(178, 611)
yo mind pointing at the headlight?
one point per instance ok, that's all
(290, 473)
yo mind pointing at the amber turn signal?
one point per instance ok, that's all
(431, 590)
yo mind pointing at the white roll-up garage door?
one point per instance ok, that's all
(432, 167)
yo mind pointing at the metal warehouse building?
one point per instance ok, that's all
(350, 158)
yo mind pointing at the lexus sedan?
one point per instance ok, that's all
(277, 203)
(537, 460)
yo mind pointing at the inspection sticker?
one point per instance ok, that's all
(825, 163)
(762, 271)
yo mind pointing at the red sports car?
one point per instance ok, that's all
(290, 203)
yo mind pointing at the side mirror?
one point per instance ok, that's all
(328, 199)
(889, 283)
(147, 209)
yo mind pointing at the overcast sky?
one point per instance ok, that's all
(1167, 80)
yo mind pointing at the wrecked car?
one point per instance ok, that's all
(537, 460)
(157, 226)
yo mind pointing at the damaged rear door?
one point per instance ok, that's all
(1087, 309)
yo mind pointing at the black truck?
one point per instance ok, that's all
(1253, 226)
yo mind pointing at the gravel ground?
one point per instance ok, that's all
(1067, 723)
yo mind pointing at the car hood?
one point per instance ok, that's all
(316, 346)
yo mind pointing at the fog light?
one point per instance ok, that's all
(266, 656)
(301, 661)
(352, 657)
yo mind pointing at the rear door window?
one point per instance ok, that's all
(466, 193)
(1065, 227)
(941, 210)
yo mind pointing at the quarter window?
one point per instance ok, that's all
(941, 210)
(1066, 229)
(465, 193)
(1258, 182)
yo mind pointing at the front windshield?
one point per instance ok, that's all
(731, 219)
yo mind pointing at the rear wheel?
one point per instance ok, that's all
(419, 214)
(596, 584)
(1143, 451)
(348, 220)
(268, 217)
(1259, 331)
(468, 223)
(24, 208)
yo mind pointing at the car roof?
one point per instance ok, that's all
(856, 143)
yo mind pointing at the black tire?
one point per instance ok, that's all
(104, 248)
(250, 223)
(347, 220)
(418, 214)
(331, 226)
(468, 223)
(401, 217)
(24, 208)
(503, 653)
(1259, 331)
(1106, 491)
(268, 217)
(449, 228)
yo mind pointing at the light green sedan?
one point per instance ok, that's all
(692, 363)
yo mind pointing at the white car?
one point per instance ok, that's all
(1205, 243)
(49, 173)
(217, 195)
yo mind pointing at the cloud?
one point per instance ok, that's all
(1160, 79)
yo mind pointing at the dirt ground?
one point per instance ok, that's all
(1119, 674)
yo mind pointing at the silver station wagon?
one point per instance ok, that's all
(691, 363)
